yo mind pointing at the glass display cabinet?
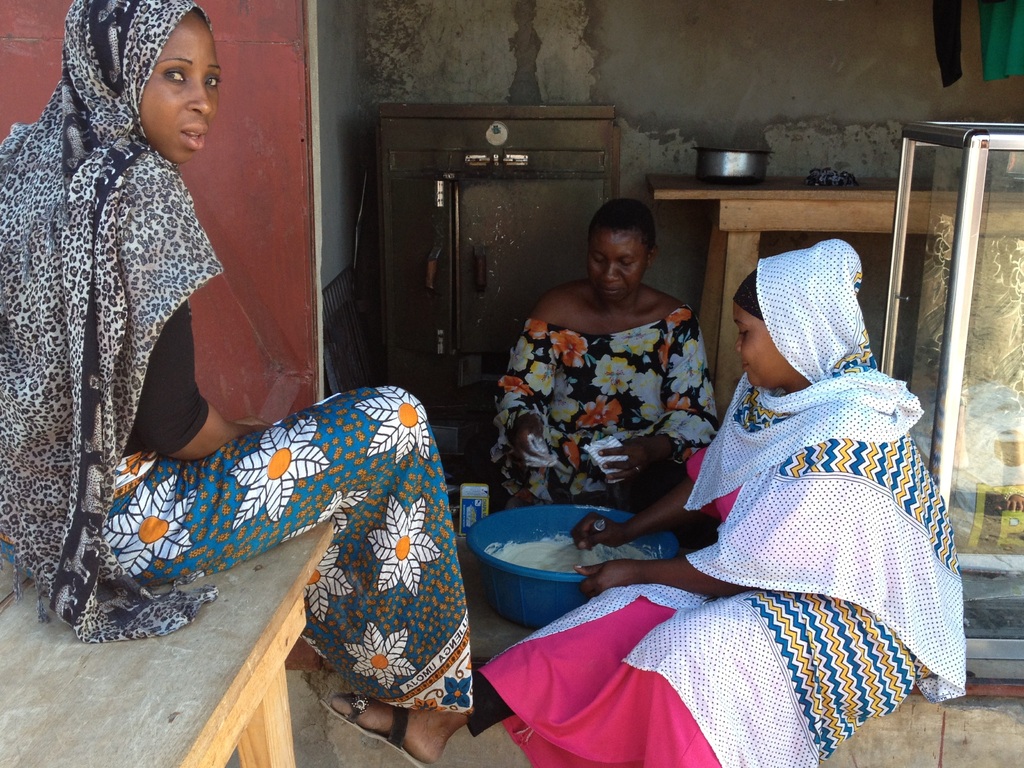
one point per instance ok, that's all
(955, 333)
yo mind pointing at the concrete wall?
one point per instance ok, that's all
(819, 82)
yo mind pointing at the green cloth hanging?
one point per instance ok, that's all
(1002, 38)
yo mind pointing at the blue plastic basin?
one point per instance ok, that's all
(530, 596)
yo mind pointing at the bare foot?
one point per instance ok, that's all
(426, 736)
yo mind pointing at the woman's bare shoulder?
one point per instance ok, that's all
(658, 304)
(563, 304)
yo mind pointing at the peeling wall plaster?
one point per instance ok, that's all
(867, 150)
(565, 61)
(452, 51)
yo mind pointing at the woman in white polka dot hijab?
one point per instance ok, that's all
(833, 589)
(808, 303)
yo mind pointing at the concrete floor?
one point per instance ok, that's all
(321, 741)
(970, 733)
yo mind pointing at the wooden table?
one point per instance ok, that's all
(739, 214)
(187, 699)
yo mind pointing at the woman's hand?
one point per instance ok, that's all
(614, 573)
(635, 455)
(527, 433)
(586, 534)
(1014, 503)
(668, 513)
(677, 572)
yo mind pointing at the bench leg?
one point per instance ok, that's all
(267, 741)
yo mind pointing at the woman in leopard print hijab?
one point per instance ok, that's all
(115, 474)
(73, 311)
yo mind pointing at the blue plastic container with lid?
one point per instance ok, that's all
(531, 596)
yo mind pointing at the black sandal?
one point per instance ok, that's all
(399, 723)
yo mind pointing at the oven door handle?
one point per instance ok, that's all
(433, 258)
(480, 268)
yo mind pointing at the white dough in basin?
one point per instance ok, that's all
(559, 553)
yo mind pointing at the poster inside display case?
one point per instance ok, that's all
(955, 334)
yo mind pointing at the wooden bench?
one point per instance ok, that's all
(188, 699)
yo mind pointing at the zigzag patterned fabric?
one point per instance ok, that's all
(846, 666)
(752, 415)
(898, 467)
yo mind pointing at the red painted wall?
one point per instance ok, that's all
(256, 337)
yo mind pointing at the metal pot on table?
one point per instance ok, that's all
(731, 166)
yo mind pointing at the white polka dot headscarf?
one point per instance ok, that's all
(809, 302)
(808, 299)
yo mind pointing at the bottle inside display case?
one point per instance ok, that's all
(955, 334)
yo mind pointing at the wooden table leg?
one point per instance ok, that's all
(741, 253)
(711, 296)
(267, 741)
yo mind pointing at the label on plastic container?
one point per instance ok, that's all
(474, 503)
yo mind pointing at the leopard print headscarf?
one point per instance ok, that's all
(80, 312)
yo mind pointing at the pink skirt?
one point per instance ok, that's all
(578, 704)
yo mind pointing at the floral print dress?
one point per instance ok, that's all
(648, 380)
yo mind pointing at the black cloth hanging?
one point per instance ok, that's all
(946, 20)
(946, 15)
